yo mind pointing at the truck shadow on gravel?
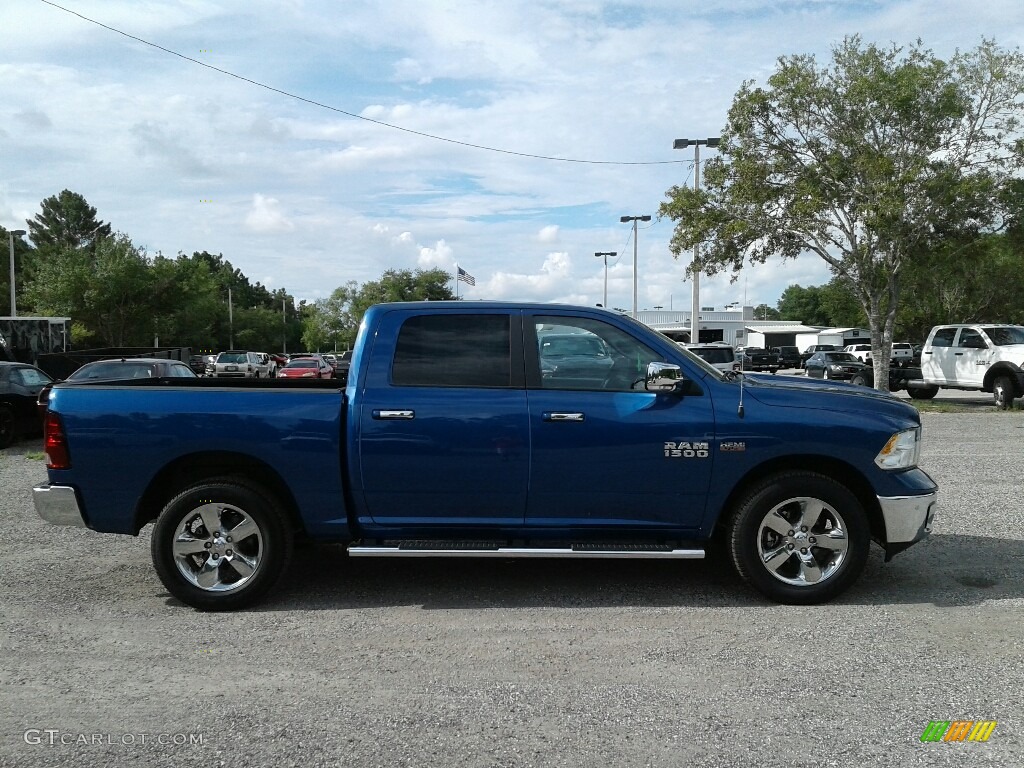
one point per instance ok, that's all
(945, 570)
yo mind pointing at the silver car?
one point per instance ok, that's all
(236, 364)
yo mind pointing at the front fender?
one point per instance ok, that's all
(1015, 372)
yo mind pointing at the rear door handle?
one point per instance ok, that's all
(396, 414)
(563, 416)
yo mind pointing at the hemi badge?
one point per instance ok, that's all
(724, 446)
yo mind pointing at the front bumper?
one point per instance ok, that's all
(908, 519)
(58, 504)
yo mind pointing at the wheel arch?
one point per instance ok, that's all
(195, 467)
(836, 469)
(1004, 368)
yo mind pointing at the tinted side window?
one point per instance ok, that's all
(453, 351)
(971, 339)
(943, 337)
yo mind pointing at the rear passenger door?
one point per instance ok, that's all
(443, 432)
(937, 359)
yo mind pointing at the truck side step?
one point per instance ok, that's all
(432, 548)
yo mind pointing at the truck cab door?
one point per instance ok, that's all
(442, 433)
(938, 364)
(610, 455)
(971, 357)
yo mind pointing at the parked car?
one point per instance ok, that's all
(120, 369)
(198, 364)
(789, 357)
(838, 365)
(816, 348)
(758, 359)
(902, 354)
(314, 367)
(20, 385)
(720, 355)
(450, 442)
(344, 363)
(237, 364)
(861, 351)
(574, 360)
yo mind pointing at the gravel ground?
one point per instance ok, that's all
(523, 663)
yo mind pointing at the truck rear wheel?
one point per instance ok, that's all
(922, 393)
(799, 538)
(221, 544)
(1003, 392)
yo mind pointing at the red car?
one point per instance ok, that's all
(306, 368)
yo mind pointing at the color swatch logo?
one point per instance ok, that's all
(958, 730)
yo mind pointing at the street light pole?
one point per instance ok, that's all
(634, 219)
(695, 304)
(11, 235)
(606, 254)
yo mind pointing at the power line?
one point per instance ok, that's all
(381, 123)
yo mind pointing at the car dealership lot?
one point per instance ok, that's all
(480, 663)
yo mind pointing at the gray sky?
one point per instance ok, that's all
(308, 193)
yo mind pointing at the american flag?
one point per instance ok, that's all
(465, 277)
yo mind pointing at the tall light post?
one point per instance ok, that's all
(11, 235)
(606, 254)
(634, 219)
(695, 304)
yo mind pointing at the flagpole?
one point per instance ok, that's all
(456, 281)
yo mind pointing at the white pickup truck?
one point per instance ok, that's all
(985, 357)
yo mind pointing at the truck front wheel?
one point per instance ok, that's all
(1003, 392)
(799, 538)
(221, 544)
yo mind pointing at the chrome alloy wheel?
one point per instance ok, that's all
(802, 541)
(217, 547)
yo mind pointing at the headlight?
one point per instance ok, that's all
(901, 451)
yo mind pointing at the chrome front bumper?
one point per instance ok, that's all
(57, 504)
(908, 519)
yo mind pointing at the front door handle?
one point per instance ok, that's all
(563, 416)
(396, 414)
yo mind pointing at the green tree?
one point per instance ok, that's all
(870, 164)
(110, 291)
(65, 222)
(336, 319)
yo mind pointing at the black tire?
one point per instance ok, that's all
(8, 427)
(824, 373)
(769, 519)
(1003, 392)
(922, 393)
(226, 503)
(858, 379)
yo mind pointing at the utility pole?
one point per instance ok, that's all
(634, 219)
(284, 328)
(695, 303)
(606, 254)
(231, 322)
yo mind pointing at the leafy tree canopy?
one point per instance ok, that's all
(870, 163)
(335, 320)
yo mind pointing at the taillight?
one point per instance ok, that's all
(55, 443)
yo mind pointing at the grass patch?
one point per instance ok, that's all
(35, 455)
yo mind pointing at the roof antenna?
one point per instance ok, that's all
(739, 407)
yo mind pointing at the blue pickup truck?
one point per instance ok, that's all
(494, 430)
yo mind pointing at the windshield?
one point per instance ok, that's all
(714, 354)
(841, 357)
(306, 362)
(580, 345)
(233, 357)
(117, 369)
(1006, 334)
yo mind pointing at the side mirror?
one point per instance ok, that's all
(663, 377)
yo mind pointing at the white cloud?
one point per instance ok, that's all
(266, 217)
(548, 234)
